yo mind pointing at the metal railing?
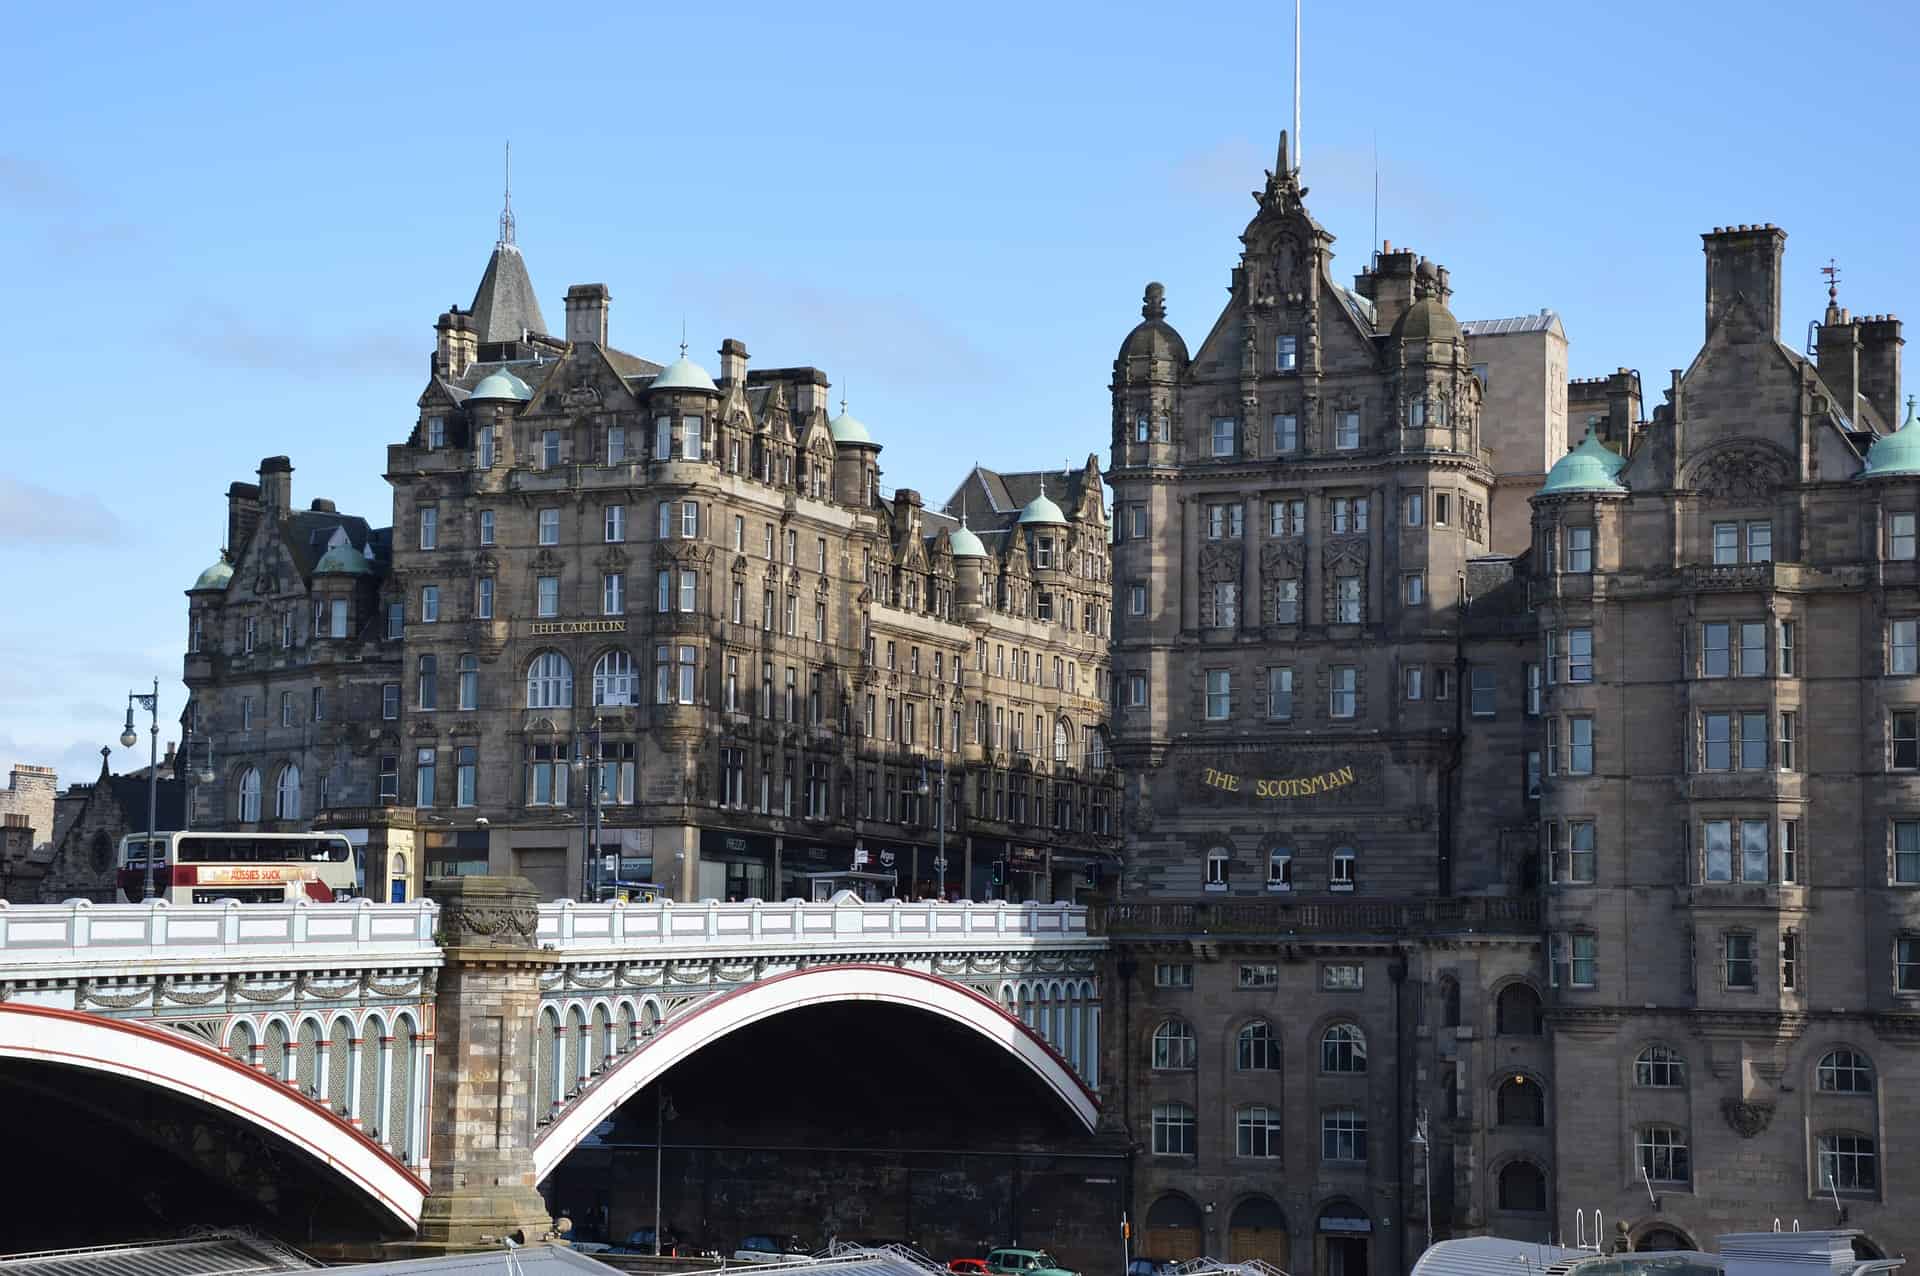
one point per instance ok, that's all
(1287, 916)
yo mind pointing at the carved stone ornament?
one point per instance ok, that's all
(487, 912)
(1219, 563)
(1746, 1119)
(1738, 475)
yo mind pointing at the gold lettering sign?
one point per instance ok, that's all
(1298, 786)
(550, 628)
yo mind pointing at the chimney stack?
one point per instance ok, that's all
(276, 486)
(1388, 285)
(587, 314)
(1880, 343)
(457, 345)
(1745, 261)
(243, 515)
(733, 362)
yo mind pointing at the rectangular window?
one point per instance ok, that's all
(1726, 543)
(1755, 855)
(548, 595)
(692, 446)
(1286, 432)
(1442, 508)
(1574, 852)
(663, 438)
(1753, 741)
(1533, 773)
(1579, 655)
(613, 593)
(1906, 964)
(317, 709)
(389, 777)
(1219, 695)
(1343, 976)
(1739, 960)
(484, 450)
(1787, 667)
(1280, 869)
(1223, 523)
(1414, 682)
(1416, 504)
(1413, 588)
(396, 619)
(1906, 852)
(1280, 694)
(1286, 354)
(1340, 876)
(689, 591)
(1287, 518)
(1286, 602)
(1346, 431)
(550, 527)
(614, 519)
(1716, 840)
(486, 527)
(469, 682)
(1716, 742)
(423, 769)
(429, 681)
(1759, 542)
(1753, 649)
(1580, 746)
(389, 701)
(1136, 691)
(1136, 599)
(483, 598)
(466, 775)
(1903, 646)
(286, 708)
(690, 520)
(616, 444)
(1343, 683)
(429, 604)
(1533, 690)
(1900, 536)
(1347, 600)
(1716, 660)
(429, 527)
(1483, 690)
(1789, 736)
(1580, 549)
(249, 633)
(1223, 430)
(1790, 960)
(1790, 851)
(550, 449)
(1225, 597)
(1259, 974)
(1173, 974)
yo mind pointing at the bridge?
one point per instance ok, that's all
(440, 1059)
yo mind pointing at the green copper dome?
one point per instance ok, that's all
(343, 560)
(964, 543)
(1042, 510)
(848, 428)
(502, 384)
(1589, 468)
(215, 577)
(1896, 455)
(684, 374)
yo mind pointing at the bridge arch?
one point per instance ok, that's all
(681, 1038)
(175, 1062)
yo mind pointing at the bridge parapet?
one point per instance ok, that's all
(792, 924)
(61, 937)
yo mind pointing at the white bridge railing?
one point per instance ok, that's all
(41, 935)
(794, 924)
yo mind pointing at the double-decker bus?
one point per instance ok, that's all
(253, 868)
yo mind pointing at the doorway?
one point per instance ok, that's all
(1344, 1236)
(1258, 1229)
(1173, 1230)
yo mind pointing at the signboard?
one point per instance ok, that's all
(555, 628)
(1336, 1223)
(241, 874)
(1027, 859)
(1296, 786)
(1347, 777)
(860, 857)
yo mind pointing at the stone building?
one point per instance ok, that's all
(1521, 363)
(82, 859)
(290, 655)
(1327, 923)
(700, 581)
(1731, 812)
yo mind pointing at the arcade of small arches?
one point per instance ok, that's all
(1063, 1013)
(371, 1069)
(1257, 1228)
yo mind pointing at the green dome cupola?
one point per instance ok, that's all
(1896, 455)
(1592, 469)
(501, 384)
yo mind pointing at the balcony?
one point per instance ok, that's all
(1270, 918)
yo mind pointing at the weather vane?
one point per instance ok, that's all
(1832, 271)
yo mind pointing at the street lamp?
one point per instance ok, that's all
(940, 817)
(589, 763)
(1421, 1141)
(150, 701)
(662, 1113)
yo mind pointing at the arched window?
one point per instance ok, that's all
(286, 793)
(549, 682)
(613, 682)
(1062, 742)
(101, 850)
(1662, 1240)
(1258, 1050)
(1173, 1229)
(1172, 1129)
(1847, 1163)
(1256, 1131)
(1343, 1049)
(1523, 1188)
(1844, 1071)
(1518, 1011)
(1174, 1047)
(1449, 1002)
(1661, 1153)
(1219, 862)
(1660, 1067)
(1521, 1102)
(249, 806)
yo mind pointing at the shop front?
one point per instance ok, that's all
(736, 866)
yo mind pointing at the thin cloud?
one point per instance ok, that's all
(67, 216)
(41, 516)
(225, 337)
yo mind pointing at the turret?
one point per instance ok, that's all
(1149, 366)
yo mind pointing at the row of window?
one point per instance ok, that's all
(1572, 961)
(1758, 851)
(1343, 1132)
(1175, 1048)
(1844, 1161)
(1733, 541)
(1342, 866)
(1840, 1071)
(290, 701)
(1335, 976)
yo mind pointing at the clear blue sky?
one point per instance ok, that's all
(225, 231)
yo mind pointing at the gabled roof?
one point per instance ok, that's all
(216, 1254)
(505, 307)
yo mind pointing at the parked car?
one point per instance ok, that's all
(1025, 1262)
(1149, 1266)
(640, 1241)
(967, 1266)
(764, 1248)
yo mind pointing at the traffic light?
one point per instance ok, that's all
(999, 872)
(1093, 874)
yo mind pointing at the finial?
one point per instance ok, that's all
(1153, 305)
(1911, 420)
(1832, 271)
(1296, 86)
(683, 336)
(506, 208)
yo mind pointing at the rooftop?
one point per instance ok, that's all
(1545, 321)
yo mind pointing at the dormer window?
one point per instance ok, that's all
(1286, 355)
(436, 432)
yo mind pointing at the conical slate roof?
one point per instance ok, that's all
(505, 305)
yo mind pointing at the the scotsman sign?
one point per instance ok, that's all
(1297, 786)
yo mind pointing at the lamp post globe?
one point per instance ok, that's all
(128, 739)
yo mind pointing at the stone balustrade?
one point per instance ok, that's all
(57, 937)
(754, 924)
